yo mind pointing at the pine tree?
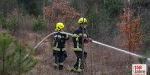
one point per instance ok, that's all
(12, 55)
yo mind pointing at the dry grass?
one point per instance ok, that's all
(100, 61)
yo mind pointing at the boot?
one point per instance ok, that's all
(74, 70)
(79, 70)
(55, 66)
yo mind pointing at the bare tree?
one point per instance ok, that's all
(130, 30)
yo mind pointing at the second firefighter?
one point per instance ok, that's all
(59, 46)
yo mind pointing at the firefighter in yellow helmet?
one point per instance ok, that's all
(59, 46)
(78, 35)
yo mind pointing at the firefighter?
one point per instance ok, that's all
(78, 35)
(59, 46)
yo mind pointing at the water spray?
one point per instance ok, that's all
(93, 41)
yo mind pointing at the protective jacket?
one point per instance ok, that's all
(60, 40)
(77, 38)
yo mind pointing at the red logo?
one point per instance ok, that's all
(139, 69)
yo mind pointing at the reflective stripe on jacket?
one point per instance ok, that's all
(77, 38)
(60, 40)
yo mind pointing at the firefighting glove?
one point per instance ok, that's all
(85, 39)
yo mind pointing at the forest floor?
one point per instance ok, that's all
(100, 60)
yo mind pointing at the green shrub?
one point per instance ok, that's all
(3, 21)
(11, 24)
(12, 55)
(39, 24)
(142, 60)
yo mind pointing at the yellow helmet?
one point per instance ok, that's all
(59, 26)
(82, 20)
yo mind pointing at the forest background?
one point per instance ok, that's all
(109, 22)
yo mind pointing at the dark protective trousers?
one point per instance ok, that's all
(60, 56)
(79, 62)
